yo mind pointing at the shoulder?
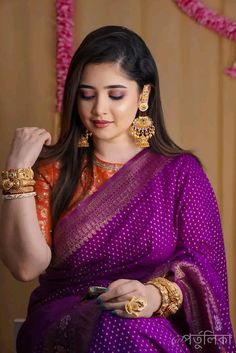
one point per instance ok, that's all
(190, 177)
(183, 170)
(48, 173)
(181, 164)
(186, 164)
(185, 161)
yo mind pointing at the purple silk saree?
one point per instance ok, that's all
(157, 215)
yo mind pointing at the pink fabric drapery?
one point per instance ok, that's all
(64, 48)
(64, 31)
(211, 20)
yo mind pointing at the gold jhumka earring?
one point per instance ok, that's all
(83, 141)
(142, 128)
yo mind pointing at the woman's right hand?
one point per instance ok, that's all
(26, 147)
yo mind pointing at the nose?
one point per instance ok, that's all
(100, 106)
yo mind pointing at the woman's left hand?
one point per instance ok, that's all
(122, 290)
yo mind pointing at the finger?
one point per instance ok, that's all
(124, 288)
(123, 314)
(35, 128)
(48, 141)
(41, 131)
(31, 131)
(118, 282)
(117, 303)
(28, 129)
(112, 306)
(123, 298)
(46, 137)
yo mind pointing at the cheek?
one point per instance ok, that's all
(127, 107)
(82, 110)
(83, 114)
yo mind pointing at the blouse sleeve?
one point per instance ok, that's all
(43, 187)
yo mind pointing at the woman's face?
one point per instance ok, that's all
(107, 101)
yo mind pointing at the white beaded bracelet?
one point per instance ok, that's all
(18, 196)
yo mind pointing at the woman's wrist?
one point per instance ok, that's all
(13, 163)
(154, 297)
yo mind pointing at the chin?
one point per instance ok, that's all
(102, 134)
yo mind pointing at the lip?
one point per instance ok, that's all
(101, 123)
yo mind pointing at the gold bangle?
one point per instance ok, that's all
(173, 292)
(16, 179)
(21, 173)
(178, 290)
(22, 190)
(16, 184)
(165, 300)
(170, 310)
(18, 196)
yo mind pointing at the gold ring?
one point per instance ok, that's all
(135, 306)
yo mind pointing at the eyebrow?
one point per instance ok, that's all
(107, 87)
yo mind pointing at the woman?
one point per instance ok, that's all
(120, 206)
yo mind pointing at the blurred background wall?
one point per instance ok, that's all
(199, 100)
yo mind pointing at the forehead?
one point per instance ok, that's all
(105, 74)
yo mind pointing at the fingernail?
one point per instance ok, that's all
(113, 313)
(101, 306)
(98, 300)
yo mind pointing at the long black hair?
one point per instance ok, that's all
(109, 44)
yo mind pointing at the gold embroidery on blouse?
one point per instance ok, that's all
(106, 165)
(44, 212)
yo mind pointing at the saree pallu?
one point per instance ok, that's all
(157, 216)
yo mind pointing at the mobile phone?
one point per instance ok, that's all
(95, 291)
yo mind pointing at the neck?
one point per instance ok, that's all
(115, 152)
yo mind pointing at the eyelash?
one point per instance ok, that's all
(91, 97)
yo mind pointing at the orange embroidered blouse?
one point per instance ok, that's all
(46, 180)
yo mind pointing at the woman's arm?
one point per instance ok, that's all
(23, 247)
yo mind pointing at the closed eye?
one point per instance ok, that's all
(116, 97)
(86, 97)
(91, 97)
